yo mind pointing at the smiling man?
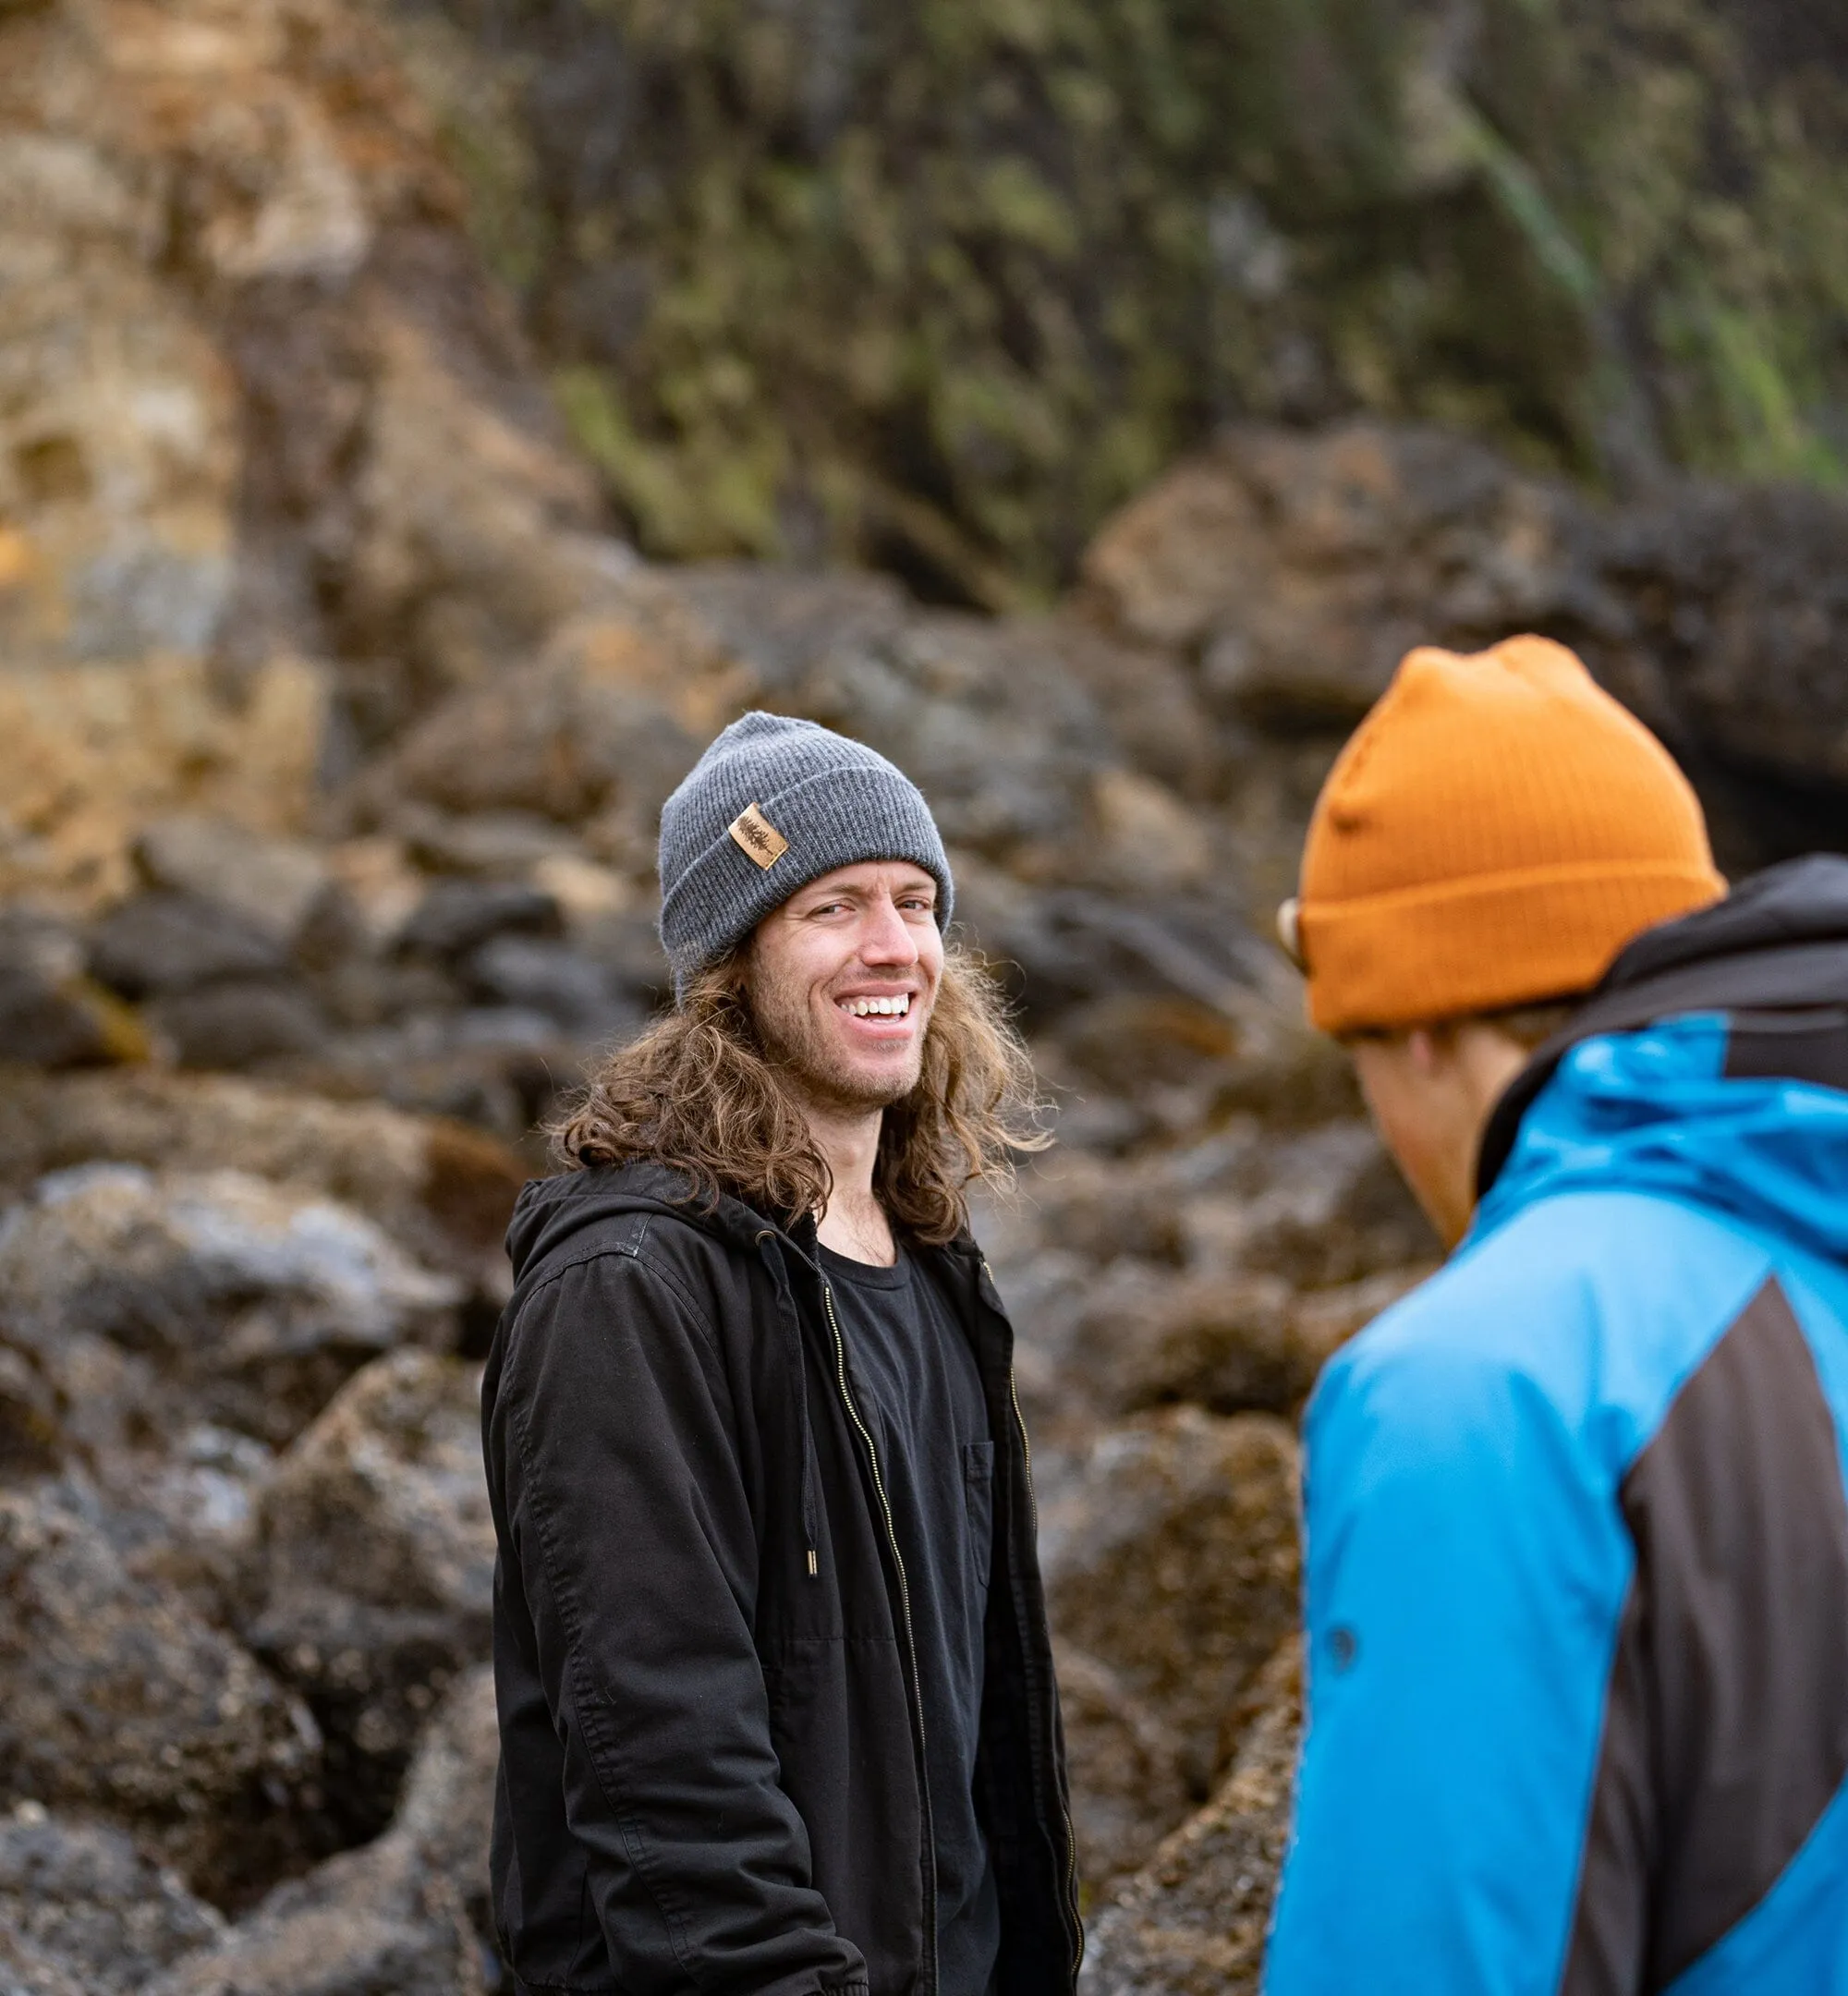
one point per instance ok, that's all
(776, 1697)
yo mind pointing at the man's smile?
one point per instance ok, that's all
(894, 1005)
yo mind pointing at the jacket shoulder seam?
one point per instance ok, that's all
(630, 1252)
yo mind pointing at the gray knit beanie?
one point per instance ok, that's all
(773, 804)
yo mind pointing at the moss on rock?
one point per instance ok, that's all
(939, 286)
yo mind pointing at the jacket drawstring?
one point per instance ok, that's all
(793, 1325)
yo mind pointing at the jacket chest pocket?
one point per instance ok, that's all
(979, 1500)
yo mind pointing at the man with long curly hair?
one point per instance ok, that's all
(776, 1697)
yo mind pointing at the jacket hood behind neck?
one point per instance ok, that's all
(549, 1211)
(1712, 1063)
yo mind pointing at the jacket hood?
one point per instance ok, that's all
(549, 1211)
(1711, 1064)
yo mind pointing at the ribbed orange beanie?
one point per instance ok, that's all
(1495, 832)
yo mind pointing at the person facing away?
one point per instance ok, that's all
(776, 1697)
(1577, 1531)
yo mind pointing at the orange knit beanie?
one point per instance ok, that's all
(1495, 832)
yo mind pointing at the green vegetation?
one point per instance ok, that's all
(937, 285)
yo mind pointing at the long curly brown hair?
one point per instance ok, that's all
(698, 1091)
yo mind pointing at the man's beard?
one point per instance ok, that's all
(795, 1047)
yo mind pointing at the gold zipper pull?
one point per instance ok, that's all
(814, 1569)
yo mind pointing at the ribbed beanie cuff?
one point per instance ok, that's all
(1397, 960)
(834, 801)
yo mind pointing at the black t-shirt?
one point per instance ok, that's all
(930, 1422)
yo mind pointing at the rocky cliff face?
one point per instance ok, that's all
(939, 286)
(335, 718)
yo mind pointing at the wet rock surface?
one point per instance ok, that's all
(402, 1914)
(1172, 1560)
(370, 1571)
(336, 718)
(1192, 1921)
(218, 1296)
(122, 1699)
(1128, 1769)
(1298, 568)
(80, 1908)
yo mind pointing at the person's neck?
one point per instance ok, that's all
(854, 1222)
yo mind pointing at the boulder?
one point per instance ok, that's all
(1317, 1207)
(1003, 741)
(1297, 566)
(505, 845)
(1108, 1211)
(1159, 718)
(120, 436)
(370, 1580)
(274, 884)
(1148, 1336)
(444, 1192)
(186, 1516)
(121, 1700)
(572, 990)
(404, 1914)
(1127, 1778)
(29, 1971)
(1234, 1345)
(51, 1014)
(458, 916)
(1063, 946)
(341, 1932)
(239, 1026)
(1740, 614)
(1170, 1555)
(466, 528)
(597, 729)
(235, 1300)
(445, 1814)
(380, 884)
(81, 1908)
(1313, 1207)
(1300, 567)
(162, 942)
(1193, 1921)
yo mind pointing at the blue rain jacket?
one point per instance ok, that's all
(1576, 1524)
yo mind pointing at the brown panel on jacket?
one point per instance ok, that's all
(1726, 1730)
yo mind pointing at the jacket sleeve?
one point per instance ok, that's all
(1466, 1574)
(632, 1532)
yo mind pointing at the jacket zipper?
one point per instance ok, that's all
(903, 1603)
(1033, 1506)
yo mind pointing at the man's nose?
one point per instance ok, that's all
(886, 937)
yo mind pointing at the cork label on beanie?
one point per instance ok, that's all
(758, 837)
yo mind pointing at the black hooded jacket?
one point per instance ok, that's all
(710, 1748)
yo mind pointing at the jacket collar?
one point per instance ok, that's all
(1777, 942)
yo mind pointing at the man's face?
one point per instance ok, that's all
(1431, 1092)
(842, 978)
